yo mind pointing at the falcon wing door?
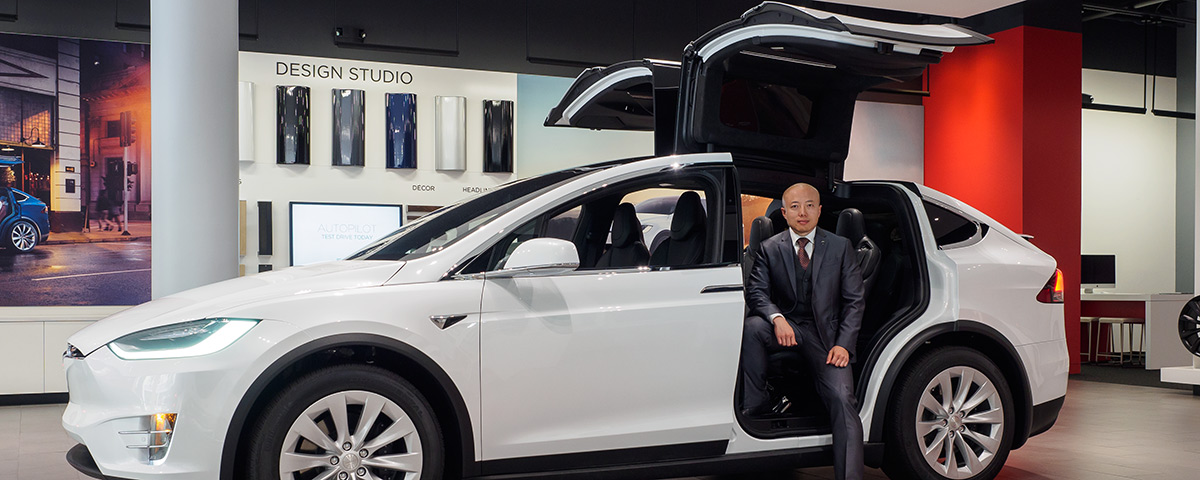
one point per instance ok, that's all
(777, 86)
(632, 95)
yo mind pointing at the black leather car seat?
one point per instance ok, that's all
(686, 244)
(852, 225)
(760, 230)
(628, 249)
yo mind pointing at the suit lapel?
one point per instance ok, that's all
(818, 256)
(789, 260)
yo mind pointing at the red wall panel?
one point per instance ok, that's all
(1003, 133)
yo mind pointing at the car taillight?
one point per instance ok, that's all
(1053, 291)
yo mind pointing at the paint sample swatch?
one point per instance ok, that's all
(349, 120)
(450, 118)
(401, 130)
(292, 125)
(498, 136)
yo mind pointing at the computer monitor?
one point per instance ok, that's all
(1098, 271)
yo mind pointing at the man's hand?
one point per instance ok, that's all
(838, 356)
(783, 332)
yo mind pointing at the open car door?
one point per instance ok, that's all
(777, 86)
(631, 95)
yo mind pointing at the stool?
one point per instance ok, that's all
(1119, 324)
(1137, 355)
(1087, 354)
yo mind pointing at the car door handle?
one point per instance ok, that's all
(446, 321)
(737, 287)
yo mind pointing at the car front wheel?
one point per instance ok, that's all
(954, 419)
(347, 422)
(23, 236)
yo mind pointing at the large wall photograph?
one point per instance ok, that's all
(74, 172)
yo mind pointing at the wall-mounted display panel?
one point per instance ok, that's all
(401, 130)
(246, 121)
(498, 136)
(292, 126)
(329, 231)
(349, 125)
(450, 131)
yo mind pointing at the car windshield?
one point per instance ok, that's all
(443, 227)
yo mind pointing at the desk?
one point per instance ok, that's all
(1161, 312)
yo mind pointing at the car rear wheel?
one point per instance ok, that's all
(347, 422)
(954, 419)
(23, 236)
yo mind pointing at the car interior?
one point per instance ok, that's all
(876, 220)
(608, 233)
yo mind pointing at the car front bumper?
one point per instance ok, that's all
(111, 400)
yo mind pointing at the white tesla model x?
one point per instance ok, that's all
(530, 332)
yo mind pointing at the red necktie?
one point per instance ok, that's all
(802, 242)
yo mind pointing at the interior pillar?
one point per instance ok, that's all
(193, 77)
(1003, 132)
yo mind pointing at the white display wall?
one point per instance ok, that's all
(1128, 186)
(264, 180)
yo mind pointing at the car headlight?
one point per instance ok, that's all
(187, 339)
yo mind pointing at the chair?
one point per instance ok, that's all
(627, 248)
(852, 226)
(1087, 354)
(688, 230)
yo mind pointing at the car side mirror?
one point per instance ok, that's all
(538, 257)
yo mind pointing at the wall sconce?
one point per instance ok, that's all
(37, 142)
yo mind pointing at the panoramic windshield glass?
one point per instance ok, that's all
(443, 227)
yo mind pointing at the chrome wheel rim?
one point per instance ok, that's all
(352, 435)
(960, 422)
(23, 236)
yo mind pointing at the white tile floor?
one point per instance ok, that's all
(1105, 432)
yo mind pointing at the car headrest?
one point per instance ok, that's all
(760, 230)
(851, 224)
(778, 223)
(626, 228)
(688, 217)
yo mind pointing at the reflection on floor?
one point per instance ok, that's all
(1106, 432)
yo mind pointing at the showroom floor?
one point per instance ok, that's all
(1106, 432)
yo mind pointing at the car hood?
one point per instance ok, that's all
(213, 299)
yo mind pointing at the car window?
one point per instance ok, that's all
(19, 196)
(949, 228)
(588, 222)
(439, 229)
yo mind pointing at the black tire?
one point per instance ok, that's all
(906, 445)
(346, 382)
(21, 236)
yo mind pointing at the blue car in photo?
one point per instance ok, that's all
(24, 220)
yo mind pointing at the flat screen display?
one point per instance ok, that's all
(331, 231)
(1098, 270)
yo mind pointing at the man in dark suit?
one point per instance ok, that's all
(806, 292)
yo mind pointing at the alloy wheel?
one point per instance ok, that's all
(352, 435)
(959, 422)
(1189, 326)
(23, 236)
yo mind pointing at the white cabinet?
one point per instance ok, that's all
(32, 340)
(21, 355)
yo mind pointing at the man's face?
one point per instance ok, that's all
(802, 208)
